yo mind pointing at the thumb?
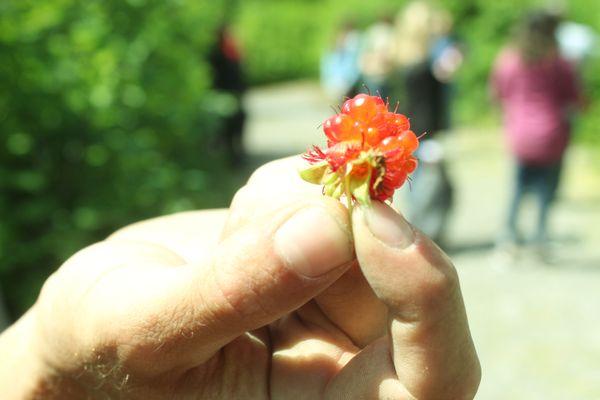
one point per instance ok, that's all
(264, 271)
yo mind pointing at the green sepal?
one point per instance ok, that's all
(334, 189)
(339, 191)
(331, 178)
(362, 194)
(316, 173)
(360, 190)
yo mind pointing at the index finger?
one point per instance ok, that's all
(431, 345)
(192, 235)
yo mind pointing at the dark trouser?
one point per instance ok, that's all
(233, 130)
(430, 199)
(542, 181)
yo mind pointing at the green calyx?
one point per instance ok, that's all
(353, 181)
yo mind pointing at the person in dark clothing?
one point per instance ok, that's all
(430, 197)
(426, 59)
(228, 77)
(424, 99)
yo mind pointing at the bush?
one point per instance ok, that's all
(285, 39)
(106, 118)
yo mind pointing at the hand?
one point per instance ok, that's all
(272, 300)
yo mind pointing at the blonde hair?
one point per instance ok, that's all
(416, 27)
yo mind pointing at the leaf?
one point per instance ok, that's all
(315, 173)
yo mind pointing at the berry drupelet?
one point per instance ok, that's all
(368, 155)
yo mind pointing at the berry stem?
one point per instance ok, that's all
(348, 195)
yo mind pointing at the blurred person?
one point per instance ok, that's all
(426, 58)
(375, 59)
(228, 77)
(537, 88)
(447, 57)
(280, 297)
(339, 65)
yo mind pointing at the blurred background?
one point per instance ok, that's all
(114, 111)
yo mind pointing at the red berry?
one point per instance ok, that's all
(374, 142)
(340, 153)
(409, 141)
(373, 136)
(397, 122)
(411, 164)
(392, 148)
(363, 107)
(341, 128)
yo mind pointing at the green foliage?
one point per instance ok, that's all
(280, 41)
(285, 39)
(107, 116)
(587, 125)
(486, 26)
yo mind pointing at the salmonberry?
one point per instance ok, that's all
(363, 107)
(369, 152)
(340, 128)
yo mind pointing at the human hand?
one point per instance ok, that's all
(266, 301)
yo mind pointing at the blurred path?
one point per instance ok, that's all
(536, 327)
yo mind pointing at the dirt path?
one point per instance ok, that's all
(536, 327)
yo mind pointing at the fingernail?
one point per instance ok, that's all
(313, 243)
(388, 226)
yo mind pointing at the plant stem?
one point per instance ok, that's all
(348, 196)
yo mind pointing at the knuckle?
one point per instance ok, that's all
(240, 299)
(240, 197)
(282, 170)
(439, 290)
(50, 287)
(261, 172)
(266, 170)
(441, 285)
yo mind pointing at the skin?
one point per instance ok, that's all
(204, 305)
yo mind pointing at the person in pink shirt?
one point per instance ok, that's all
(537, 89)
